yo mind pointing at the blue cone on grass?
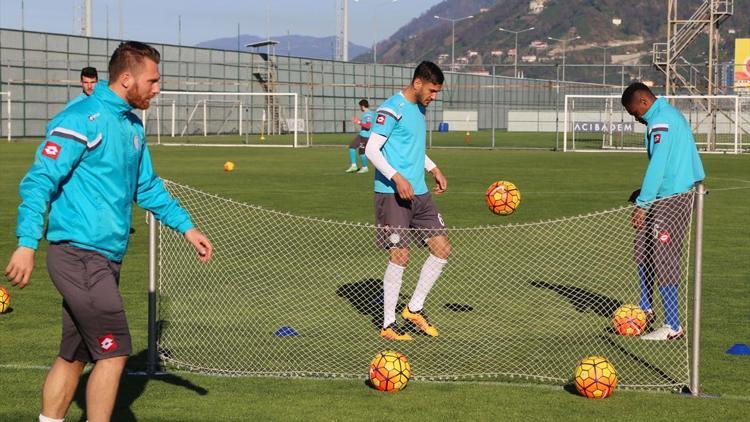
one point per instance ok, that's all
(286, 331)
(739, 349)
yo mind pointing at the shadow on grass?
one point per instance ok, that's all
(132, 387)
(640, 361)
(583, 300)
(366, 297)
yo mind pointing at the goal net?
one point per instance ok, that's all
(287, 295)
(5, 115)
(224, 119)
(599, 122)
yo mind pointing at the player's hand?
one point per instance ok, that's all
(441, 183)
(638, 217)
(20, 267)
(356, 120)
(403, 187)
(201, 244)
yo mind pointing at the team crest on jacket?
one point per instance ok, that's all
(51, 150)
(136, 142)
(657, 138)
(380, 119)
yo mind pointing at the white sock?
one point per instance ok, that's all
(431, 270)
(43, 418)
(391, 289)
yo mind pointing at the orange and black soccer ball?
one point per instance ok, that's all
(390, 371)
(4, 300)
(629, 320)
(595, 377)
(503, 197)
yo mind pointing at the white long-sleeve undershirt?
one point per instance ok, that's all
(375, 155)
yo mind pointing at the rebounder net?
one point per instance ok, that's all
(286, 295)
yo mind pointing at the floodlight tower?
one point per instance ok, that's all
(86, 11)
(342, 37)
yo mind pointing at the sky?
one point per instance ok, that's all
(202, 20)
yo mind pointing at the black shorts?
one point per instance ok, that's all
(93, 317)
(359, 142)
(402, 222)
(660, 244)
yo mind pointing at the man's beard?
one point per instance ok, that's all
(138, 101)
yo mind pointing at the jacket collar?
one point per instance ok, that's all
(655, 107)
(112, 100)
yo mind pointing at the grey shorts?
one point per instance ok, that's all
(94, 326)
(402, 222)
(659, 245)
(359, 142)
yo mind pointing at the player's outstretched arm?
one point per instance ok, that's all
(19, 269)
(200, 243)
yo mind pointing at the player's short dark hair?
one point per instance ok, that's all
(629, 94)
(129, 54)
(364, 103)
(429, 72)
(89, 72)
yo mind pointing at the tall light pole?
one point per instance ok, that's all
(564, 43)
(604, 62)
(453, 36)
(515, 60)
(375, 42)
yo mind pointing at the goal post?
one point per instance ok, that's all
(201, 118)
(287, 295)
(600, 123)
(5, 114)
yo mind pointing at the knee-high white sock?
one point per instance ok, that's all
(391, 289)
(431, 270)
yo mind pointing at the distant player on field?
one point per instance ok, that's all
(402, 201)
(674, 168)
(359, 142)
(89, 78)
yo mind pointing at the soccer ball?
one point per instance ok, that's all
(4, 300)
(503, 197)
(390, 371)
(228, 166)
(595, 377)
(629, 320)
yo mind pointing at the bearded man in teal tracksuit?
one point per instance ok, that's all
(661, 215)
(92, 166)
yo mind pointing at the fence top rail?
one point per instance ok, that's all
(244, 94)
(729, 97)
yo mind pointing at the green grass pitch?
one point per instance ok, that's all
(312, 182)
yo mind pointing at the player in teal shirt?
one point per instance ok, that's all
(364, 121)
(402, 201)
(663, 204)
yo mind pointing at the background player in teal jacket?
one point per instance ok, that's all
(89, 79)
(88, 172)
(359, 143)
(674, 168)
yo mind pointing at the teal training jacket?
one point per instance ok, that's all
(89, 170)
(674, 163)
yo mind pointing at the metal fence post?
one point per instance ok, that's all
(695, 361)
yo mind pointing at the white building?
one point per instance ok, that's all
(536, 6)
